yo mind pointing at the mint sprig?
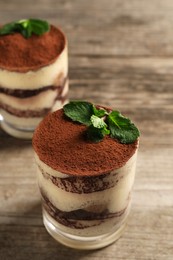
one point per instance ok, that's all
(101, 122)
(26, 27)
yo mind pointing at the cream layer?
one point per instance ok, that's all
(20, 122)
(44, 99)
(45, 76)
(114, 199)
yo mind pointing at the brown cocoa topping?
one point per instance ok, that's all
(21, 54)
(61, 144)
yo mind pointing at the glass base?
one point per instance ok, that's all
(78, 242)
(14, 131)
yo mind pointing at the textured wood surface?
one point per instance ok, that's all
(121, 54)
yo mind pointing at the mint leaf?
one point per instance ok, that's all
(99, 112)
(39, 27)
(79, 111)
(95, 134)
(10, 28)
(26, 27)
(122, 128)
(98, 122)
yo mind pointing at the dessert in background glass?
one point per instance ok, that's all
(33, 74)
(85, 173)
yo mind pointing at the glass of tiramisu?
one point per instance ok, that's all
(86, 157)
(33, 74)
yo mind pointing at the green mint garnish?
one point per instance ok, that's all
(101, 123)
(79, 111)
(26, 27)
(99, 112)
(122, 128)
(95, 134)
(98, 122)
(97, 130)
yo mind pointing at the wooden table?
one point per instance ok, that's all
(121, 55)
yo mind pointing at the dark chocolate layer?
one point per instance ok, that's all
(25, 113)
(76, 218)
(84, 184)
(25, 93)
(30, 113)
(22, 94)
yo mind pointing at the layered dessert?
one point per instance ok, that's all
(33, 78)
(85, 184)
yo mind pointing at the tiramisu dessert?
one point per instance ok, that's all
(86, 158)
(33, 74)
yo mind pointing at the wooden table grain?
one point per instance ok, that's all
(120, 55)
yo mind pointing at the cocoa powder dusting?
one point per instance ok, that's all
(20, 54)
(61, 144)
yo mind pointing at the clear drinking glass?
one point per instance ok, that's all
(81, 211)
